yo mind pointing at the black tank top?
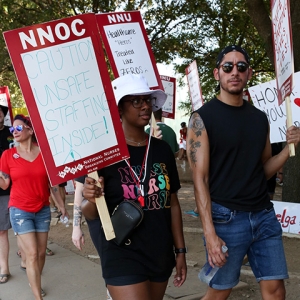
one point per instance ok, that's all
(237, 138)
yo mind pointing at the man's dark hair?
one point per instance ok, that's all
(158, 114)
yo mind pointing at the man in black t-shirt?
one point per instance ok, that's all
(5, 139)
(230, 156)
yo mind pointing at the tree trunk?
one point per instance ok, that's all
(260, 17)
(291, 179)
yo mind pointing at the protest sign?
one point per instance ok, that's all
(169, 84)
(5, 101)
(193, 80)
(283, 56)
(265, 97)
(283, 47)
(127, 46)
(70, 187)
(288, 215)
(70, 102)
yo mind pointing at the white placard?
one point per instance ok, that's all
(194, 85)
(288, 215)
(169, 90)
(131, 53)
(282, 45)
(265, 98)
(70, 98)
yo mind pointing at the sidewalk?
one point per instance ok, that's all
(66, 276)
(69, 276)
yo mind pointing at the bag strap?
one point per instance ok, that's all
(149, 165)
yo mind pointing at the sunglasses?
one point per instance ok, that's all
(228, 66)
(138, 102)
(18, 128)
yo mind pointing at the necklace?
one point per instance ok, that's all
(137, 179)
(137, 143)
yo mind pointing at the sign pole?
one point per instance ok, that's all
(103, 212)
(289, 122)
(153, 126)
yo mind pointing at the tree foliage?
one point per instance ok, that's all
(177, 29)
(180, 31)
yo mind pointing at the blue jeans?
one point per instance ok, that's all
(25, 222)
(257, 234)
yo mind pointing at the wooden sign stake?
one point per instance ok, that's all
(103, 212)
(153, 125)
(289, 122)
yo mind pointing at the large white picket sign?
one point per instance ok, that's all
(288, 215)
(265, 98)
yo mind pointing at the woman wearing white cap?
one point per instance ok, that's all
(140, 269)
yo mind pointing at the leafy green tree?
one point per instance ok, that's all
(180, 31)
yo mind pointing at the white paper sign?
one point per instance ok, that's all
(265, 98)
(67, 87)
(128, 53)
(169, 90)
(282, 44)
(4, 102)
(288, 215)
(194, 85)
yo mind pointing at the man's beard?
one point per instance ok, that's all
(232, 91)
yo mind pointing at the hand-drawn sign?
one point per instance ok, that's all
(70, 102)
(265, 97)
(193, 80)
(169, 84)
(127, 46)
(283, 47)
(5, 101)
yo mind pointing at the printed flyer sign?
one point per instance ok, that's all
(288, 215)
(5, 101)
(194, 85)
(71, 104)
(265, 97)
(169, 84)
(283, 47)
(127, 46)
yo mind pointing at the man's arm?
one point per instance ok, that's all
(272, 164)
(198, 156)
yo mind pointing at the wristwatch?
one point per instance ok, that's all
(180, 250)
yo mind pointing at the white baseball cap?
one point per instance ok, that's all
(133, 84)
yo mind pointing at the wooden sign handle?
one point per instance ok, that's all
(289, 122)
(153, 125)
(103, 212)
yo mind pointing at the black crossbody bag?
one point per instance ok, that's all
(129, 214)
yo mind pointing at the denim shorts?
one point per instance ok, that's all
(257, 234)
(24, 222)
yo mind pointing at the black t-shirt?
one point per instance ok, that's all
(5, 139)
(237, 137)
(151, 248)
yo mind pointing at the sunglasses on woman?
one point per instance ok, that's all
(18, 128)
(138, 102)
(228, 66)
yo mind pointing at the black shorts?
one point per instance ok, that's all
(133, 279)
